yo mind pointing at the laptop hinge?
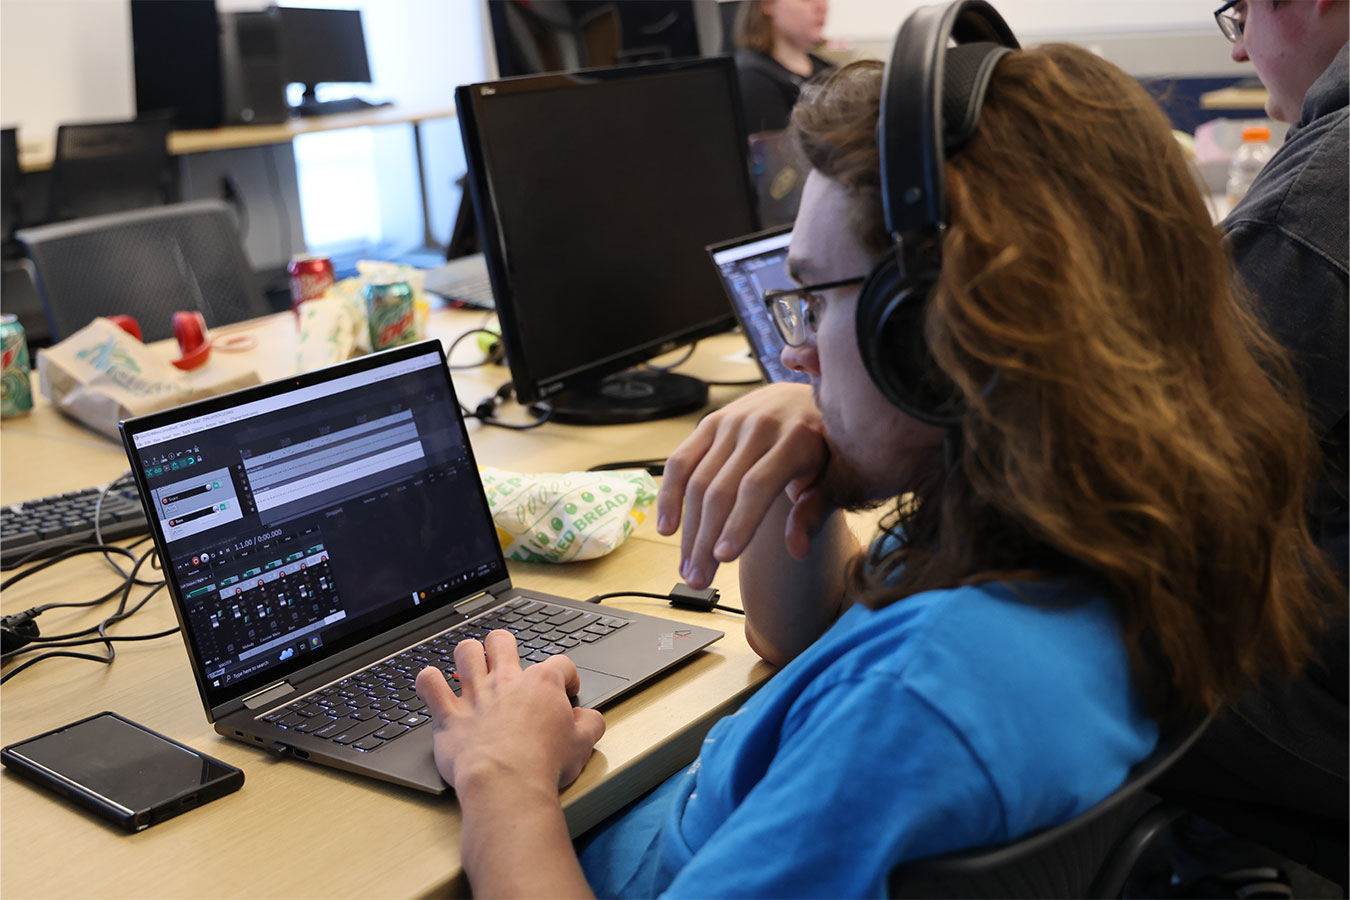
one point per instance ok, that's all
(470, 605)
(268, 694)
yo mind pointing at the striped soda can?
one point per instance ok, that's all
(389, 309)
(16, 393)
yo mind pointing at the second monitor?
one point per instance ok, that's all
(596, 193)
(323, 46)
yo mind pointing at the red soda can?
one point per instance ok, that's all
(311, 277)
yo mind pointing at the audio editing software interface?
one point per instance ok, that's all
(291, 525)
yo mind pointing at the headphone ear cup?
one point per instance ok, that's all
(875, 300)
(894, 348)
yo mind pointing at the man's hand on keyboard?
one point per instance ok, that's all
(508, 726)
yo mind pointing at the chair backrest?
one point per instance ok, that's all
(147, 263)
(19, 296)
(464, 235)
(108, 167)
(9, 182)
(1067, 860)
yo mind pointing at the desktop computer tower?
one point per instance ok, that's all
(252, 68)
(206, 67)
(176, 58)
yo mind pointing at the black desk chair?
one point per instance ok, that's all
(1319, 843)
(10, 215)
(18, 289)
(464, 236)
(147, 263)
(1089, 856)
(108, 167)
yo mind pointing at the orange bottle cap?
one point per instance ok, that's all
(1258, 133)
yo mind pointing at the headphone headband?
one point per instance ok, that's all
(930, 106)
(913, 128)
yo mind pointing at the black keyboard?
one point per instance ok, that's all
(44, 527)
(378, 704)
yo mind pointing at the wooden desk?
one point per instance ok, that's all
(1234, 98)
(36, 156)
(301, 830)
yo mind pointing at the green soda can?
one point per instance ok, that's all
(16, 393)
(389, 309)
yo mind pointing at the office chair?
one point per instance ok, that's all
(18, 289)
(9, 191)
(1321, 844)
(107, 167)
(147, 263)
(464, 236)
(19, 297)
(1089, 856)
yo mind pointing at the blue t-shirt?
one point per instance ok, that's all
(948, 720)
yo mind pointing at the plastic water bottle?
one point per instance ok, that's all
(1254, 153)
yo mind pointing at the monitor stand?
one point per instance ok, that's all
(635, 395)
(311, 105)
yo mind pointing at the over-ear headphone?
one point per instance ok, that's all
(930, 105)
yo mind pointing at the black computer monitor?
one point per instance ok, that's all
(596, 193)
(323, 46)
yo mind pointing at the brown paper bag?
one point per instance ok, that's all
(101, 375)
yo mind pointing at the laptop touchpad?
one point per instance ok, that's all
(595, 685)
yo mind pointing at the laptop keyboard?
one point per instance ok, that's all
(378, 704)
(462, 284)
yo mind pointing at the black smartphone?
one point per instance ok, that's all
(122, 771)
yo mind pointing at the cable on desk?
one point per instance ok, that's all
(677, 363)
(69, 640)
(681, 596)
(489, 359)
(98, 529)
(20, 629)
(76, 549)
(655, 467)
(486, 411)
(684, 359)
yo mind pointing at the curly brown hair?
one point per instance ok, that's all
(1143, 433)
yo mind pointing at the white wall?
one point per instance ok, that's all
(1144, 37)
(64, 61)
(419, 51)
(70, 60)
(864, 19)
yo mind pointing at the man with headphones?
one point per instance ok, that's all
(1083, 553)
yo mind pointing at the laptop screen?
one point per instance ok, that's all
(749, 266)
(304, 516)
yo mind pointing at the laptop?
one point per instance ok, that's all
(748, 267)
(463, 282)
(325, 536)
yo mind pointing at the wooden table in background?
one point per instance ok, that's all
(36, 155)
(1234, 98)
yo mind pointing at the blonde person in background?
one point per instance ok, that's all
(774, 40)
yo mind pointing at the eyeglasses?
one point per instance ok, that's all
(1232, 19)
(794, 310)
